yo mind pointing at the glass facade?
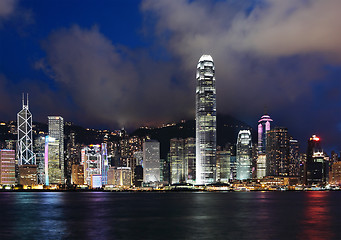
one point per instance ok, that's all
(244, 147)
(205, 121)
(56, 131)
(151, 161)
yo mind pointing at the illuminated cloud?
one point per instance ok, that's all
(7, 8)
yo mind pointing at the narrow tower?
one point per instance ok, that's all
(25, 147)
(205, 121)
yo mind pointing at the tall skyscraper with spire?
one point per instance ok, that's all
(25, 142)
(206, 112)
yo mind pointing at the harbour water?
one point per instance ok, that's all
(170, 215)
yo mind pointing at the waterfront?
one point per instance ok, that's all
(183, 215)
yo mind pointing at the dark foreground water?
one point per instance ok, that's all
(202, 215)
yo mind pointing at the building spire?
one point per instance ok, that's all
(23, 100)
(27, 99)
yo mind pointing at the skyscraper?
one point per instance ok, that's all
(263, 128)
(182, 160)
(177, 161)
(316, 168)
(278, 152)
(205, 121)
(7, 167)
(53, 171)
(151, 161)
(25, 141)
(56, 131)
(244, 147)
(92, 162)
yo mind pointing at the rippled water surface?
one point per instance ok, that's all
(202, 215)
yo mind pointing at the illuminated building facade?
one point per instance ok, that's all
(39, 150)
(77, 174)
(104, 163)
(178, 165)
(151, 161)
(53, 170)
(7, 167)
(206, 139)
(25, 141)
(278, 152)
(223, 166)
(92, 162)
(335, 174)
(120, 176)
(263, 128)
(261, 165)
(244, 156)
(28, 175)
(190, 152)
(264, 125)
(56, 131)
(316, 168)
(294, 159)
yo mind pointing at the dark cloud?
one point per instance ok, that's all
(111, 84)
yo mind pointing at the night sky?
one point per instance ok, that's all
(113, 64)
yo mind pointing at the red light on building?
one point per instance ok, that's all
(314, 138)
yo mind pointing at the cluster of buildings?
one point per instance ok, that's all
(55, 160)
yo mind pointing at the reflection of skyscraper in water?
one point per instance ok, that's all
(205, 121)
(25, 141)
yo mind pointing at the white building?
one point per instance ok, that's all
(151, 161)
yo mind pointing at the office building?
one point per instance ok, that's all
(56, 131)
(223, 166)
(206, 112)
(261, 165)
(244, 156)
(77, 174)
(178, 164)
(39, 150)
(264, 125)
(28, 175)
(316, 168)
(53, 170)
(278, 152)
(104, 163)
(294, 158)
(151, 161)
(92, 162)
(335, 174)
(25, 141)
(7, 167)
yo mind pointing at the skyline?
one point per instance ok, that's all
(121, 64)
